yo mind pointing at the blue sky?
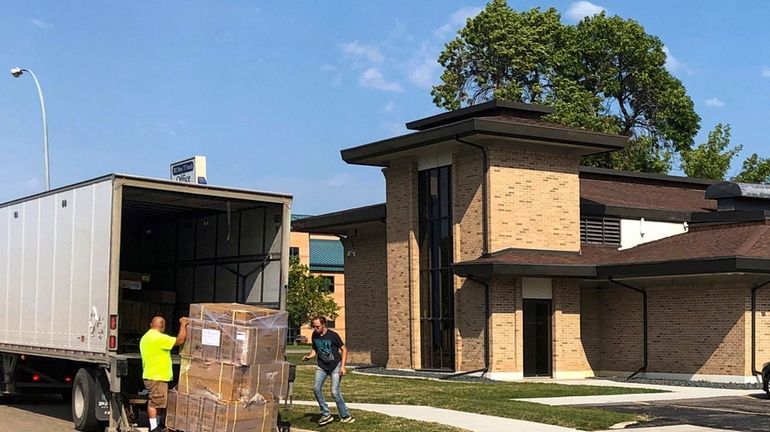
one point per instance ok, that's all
(270, 92)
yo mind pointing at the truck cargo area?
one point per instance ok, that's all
(178, 248)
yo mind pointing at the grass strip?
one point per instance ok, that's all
(305, 417)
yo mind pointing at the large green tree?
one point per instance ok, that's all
(605, 74)
(308, 296)
(711, 160)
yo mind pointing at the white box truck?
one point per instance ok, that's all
(84, 267)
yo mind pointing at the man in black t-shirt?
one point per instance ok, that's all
(331, 355)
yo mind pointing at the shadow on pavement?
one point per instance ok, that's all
(47, 405)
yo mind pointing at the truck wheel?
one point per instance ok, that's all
(83, 401)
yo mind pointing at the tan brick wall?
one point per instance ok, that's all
(762, 327)
(702, 328)
(366, 296)
(699, 329)
(621, 330)
(568, 351)
(301, 240)
(590, 326)
(402, 259)
(506, 329)
(470, 318)
(534, 200)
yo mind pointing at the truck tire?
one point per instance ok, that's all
(84, 401)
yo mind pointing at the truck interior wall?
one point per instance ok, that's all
(185, 254)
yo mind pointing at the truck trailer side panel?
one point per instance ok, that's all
(55, 260)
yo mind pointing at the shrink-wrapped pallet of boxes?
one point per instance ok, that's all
(232, 373)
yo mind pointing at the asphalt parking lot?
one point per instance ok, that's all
(741, 413)
(38, 413)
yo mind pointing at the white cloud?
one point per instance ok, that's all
(714, 103)
(370, 52)
(672, 64)
(372, 78)
(766, 72)
(425, 73)
(581, 9)
(393, 128)
(456, 21)
(338, 180)
(37, 22)
(389, 107)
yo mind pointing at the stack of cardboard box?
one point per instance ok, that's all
(232, 374)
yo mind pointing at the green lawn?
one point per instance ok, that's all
(491, 398)
(305, 417)
(296, 357)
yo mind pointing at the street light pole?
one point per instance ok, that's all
(17, 72)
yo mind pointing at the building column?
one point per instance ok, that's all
(402, 266)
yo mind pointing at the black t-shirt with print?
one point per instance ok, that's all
(327, 349)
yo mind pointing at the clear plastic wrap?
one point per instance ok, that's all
(239, 345)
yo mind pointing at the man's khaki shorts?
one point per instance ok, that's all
(158, 393)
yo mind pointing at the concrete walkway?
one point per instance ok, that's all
(672, 393)
(485, 423)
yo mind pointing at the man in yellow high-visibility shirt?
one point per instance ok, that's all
(155, 348)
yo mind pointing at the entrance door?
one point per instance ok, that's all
(537, 337)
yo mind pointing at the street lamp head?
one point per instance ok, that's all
(16, 72)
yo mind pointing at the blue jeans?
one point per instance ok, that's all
(318, 385)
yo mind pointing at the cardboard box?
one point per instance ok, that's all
(200, 414)
(233, 383)
(132, 280)
(234, 344)
(240, 417)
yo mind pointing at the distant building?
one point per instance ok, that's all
(324, 255)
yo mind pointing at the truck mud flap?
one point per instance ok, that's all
(102, 402)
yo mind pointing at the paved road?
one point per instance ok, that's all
(742, 413)
(34, 414)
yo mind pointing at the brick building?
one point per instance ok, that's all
(495, 251)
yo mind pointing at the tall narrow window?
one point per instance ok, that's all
(436, 283)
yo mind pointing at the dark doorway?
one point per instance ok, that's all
(537, 337)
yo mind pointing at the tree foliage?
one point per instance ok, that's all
(755, 170)
(604, 74)
(711, 160)
(308, 296)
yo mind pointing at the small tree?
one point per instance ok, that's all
(308, 296)
(755, 170)
(711, 160)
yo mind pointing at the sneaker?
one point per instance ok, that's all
(325, 420)
(348, 419)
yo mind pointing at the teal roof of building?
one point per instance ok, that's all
(326, 255)
(298, 216)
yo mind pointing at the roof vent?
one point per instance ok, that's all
(733, 196)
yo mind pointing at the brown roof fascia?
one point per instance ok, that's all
(487, 270)
(599, 173)
(631, 212)
(341, 221)
(590, 142)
